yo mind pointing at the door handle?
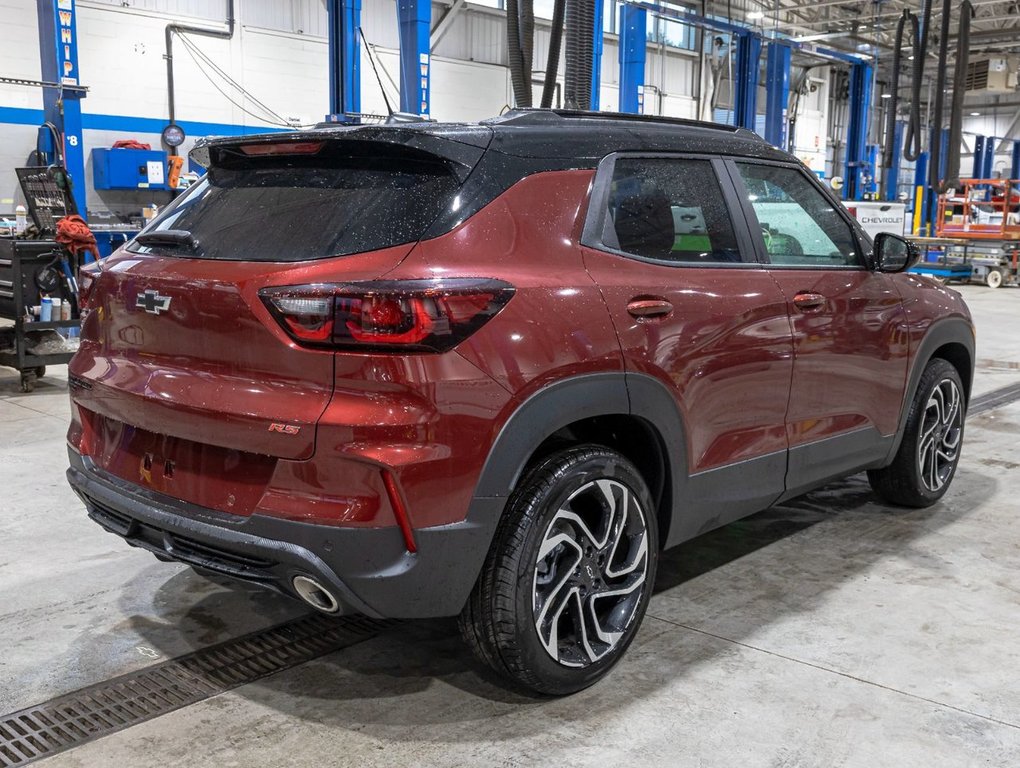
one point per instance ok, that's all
(649, 308)
(808, 300)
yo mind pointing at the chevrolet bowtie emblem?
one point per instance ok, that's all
(152, 302)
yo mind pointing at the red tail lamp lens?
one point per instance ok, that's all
(396, 315)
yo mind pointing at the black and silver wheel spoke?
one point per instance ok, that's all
(590, 573)
(938, 445)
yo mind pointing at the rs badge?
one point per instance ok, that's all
(284, 429)
(152, 302)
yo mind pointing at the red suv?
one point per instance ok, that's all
(493, 370)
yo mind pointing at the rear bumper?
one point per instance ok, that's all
(368, 570)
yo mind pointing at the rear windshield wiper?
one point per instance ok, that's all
(167, 237)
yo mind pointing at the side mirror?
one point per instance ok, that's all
(894, 254)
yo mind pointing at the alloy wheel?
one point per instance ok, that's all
(941, 429)
(590, 573)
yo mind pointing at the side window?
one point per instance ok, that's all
(799, 225)
(669, 209)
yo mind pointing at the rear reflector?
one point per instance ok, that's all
(400, 512)
(395, 315)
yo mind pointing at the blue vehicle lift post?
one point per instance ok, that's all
(344, 22)
(58, 52)
(633, 44)
(979, 156)
(746, 75)
(596, 64)
(1014, 172)
(414, 18)
(777, 90)
(920, 193)
(932, 207)
(989, 163)
(857, 130)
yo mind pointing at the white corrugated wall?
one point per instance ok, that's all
(279, 55)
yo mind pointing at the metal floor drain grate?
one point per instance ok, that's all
(994, 399)
(81, 716)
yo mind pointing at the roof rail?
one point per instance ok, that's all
(537, 116)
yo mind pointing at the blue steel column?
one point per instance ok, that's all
(777, 90)
(344, 20)
(633, 42)
(747, 75)
(979, 156)
(58, 52)
(920, 193)
(596, 64)
(414, 18)
(942, 136)
(892, 180)
(1014, 172)
(989, 164)
(857, 130)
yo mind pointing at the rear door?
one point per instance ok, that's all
(667, 243)
(848, 323)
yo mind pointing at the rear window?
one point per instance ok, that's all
(300, 207)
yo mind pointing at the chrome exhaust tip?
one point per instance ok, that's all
(316, 595)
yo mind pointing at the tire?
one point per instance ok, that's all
(40, 371)
(578, 534)
(926, 461)
(993, 279)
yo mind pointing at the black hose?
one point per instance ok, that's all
(572, 55)
(527, 32)
(169, 32)
(888, 152)
(959, 88)
(553, 60)
(515, 55)
(588, 55)
(912, 141)
(579, 51)
(935, 160)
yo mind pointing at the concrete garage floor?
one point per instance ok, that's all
(831, 631)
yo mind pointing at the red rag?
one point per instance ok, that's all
(130, 144)
(74, 234)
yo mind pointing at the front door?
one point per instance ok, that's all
(694, 311)
(848, 323)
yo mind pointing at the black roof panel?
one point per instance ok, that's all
(584, 137)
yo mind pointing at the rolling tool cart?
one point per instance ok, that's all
(29, 345)
(31, 269)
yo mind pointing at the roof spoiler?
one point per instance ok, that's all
(538, 116)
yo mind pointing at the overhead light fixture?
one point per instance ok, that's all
(886, 95)
(756, 15)
(975, 114)
(910, 57)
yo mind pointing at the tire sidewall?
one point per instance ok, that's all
(599, 464)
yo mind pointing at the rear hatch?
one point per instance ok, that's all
(182, 366)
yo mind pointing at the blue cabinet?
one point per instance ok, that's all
(128, 169)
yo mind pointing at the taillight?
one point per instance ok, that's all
(394, 315)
